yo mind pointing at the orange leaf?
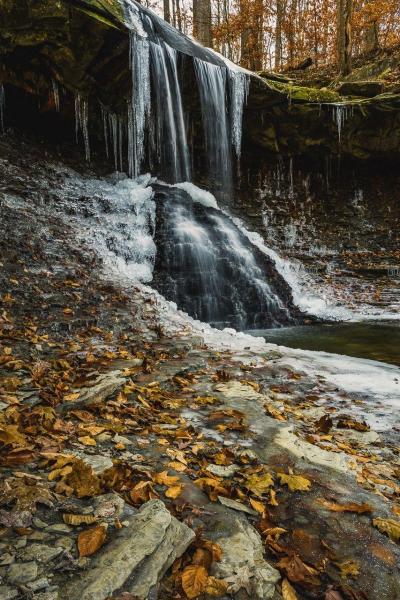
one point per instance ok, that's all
(91, 540)
(194, 581)
(348, 507)
(174, 491)
(288, 592)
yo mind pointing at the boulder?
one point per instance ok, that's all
(365, 89)
(135, 559)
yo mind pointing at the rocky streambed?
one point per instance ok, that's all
(145, 455)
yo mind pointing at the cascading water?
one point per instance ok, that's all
(239, 90)
(209, 268)
(211, 81)
(170, 144)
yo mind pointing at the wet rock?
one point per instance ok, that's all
(141, 552)
(335, 460)
(6, 559)
(41, 553)
(120, 439)
(59, 528)
(235, 505)
(47, 595)
(243, 563)
(105, 385)
(20, 573)
(8, 593)
(38, 584)
(65, 543)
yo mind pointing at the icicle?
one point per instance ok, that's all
(104, 115)
(81, 122)
(240, 84)
(339, 115)
(56, 94)
(113, 119)
(2, 106)
(120, 140)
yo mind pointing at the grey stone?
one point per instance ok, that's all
(59, 528)
(109, 505)
(105, 385)
(8, 593)
(120, 439)
(22, 572)
(223, 471)
(39, 523)
(6, 559)
(39, 536)
(47, 595)
(41, 553)
(243, 563)
(98, 462)
(141, 552)
(235, 505)
(65, 543)
(38, 584)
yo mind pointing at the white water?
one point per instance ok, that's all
(170, 133)
(211, 81)
(139, 107)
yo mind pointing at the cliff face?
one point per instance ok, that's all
(83, 46)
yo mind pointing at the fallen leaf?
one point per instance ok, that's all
(295, 483)
(288, 592)
(297, 571)
(174, 491)
(259, 484)
(91, 540)
(348, 568)
(258, 506)
(216, 587)
(348, 423)
(71, 519)
(388, 526)
(194, 580)
(165, 479)
(349, 507)
(87, 441)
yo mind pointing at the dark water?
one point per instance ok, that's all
(376, 341)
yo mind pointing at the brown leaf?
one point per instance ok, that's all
(349, 507)
(142, 492)
(288, 592)
(71, 519)
(216, 587)
(348, 423)
(297, 571)
(202, 558)
(165, 479)
(324, 424)
(259, 484)
(194, 581)
(91, 540)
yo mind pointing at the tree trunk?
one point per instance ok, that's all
(278, 34)
(167, 11)
(202, 22)
(344, 15)
(371, 39)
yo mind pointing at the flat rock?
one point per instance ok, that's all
(140, 553)
(98, 462)
(235, 505)
(108, 505)
(243, 563)
(20, 573)
(102, 388)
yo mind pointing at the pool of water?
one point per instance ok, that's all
(373, 340)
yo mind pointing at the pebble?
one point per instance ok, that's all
(39, 523)
(59, 528)
(6, 559)
(38, 584)
(64, 542)
(120, 439)
(22, 572)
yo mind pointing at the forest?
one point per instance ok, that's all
(285, 34)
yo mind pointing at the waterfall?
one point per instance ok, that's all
(169, 132)
(340, 115)
(208, 267)
(2, 106)
(211, 81)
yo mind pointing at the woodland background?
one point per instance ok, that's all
(283, 34)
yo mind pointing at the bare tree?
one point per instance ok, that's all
(202, 21)
(371, 38)
(278, 33)
(167, 11)
(344, 41)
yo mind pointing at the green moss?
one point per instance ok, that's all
(298, 93)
